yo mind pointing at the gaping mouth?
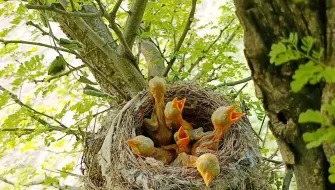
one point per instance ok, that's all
(132, 144)
(234, 116)
(180, 104)
(183, 138)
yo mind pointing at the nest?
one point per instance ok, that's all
(112, 165)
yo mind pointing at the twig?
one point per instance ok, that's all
(274, 168)
(260, 130)
(35, 43)
(234, 83)
(60, 75)
(115, 9)
(239, 91)
(273, 161)
(210, 46)
(53, 8)
(18, 101)
(182, 37)
(40, 29)
(59, 171)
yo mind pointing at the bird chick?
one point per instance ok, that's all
(144, 146)
(173, 114)
(222, 119)
(158, 130)
(207, 165)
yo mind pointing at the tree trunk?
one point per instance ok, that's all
(265, 22)
(113, 70)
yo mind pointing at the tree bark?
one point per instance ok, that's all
(103, 54)
(265, 22)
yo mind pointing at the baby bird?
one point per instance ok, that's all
(182, 140)
(158, 130)
(144, 146)
(173, 114)
(207, 165)
(222, 119)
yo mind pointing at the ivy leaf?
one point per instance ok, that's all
(313, 117)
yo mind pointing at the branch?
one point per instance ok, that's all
(182, 37)
(115, 9)
(134, 21)
(53, 8)
(6, 181)
(273, 161)
(29, 131)
(40, 29)
(35, 43)
(18, 101)
(48, 79)
(234, 83)
(118, 33)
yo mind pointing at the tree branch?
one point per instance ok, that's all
(287, 179)
(40, 29)
(134, 21)
(48, 79)
(53, 8)
(230, 38)
(182, 37)
(234, 83)
(115, 9)
(35, 43)
(273, 161)
(18, 101)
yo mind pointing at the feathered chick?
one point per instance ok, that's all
(222, 119)
(207, 165)
(144, 146)
(182, 140)
(173, 114)
(158, 130)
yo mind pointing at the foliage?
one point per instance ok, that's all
(312, 72)
(68, 104)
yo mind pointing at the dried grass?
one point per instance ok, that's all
(238, 154)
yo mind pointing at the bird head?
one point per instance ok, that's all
(174, 108)
(157, 87)
(142, 145)
(225, 116)
(208, 166)
(182, 138)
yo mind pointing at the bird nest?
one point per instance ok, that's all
(112, 165)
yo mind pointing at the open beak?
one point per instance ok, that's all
(207, 178)
(181, 104)
(183, 138)
(234, 116)
(133, 145)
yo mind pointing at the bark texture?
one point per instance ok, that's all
(103, 55)
(265, 22)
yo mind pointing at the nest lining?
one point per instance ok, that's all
(238, 153)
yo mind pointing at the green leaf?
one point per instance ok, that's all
(86, 80)
(314, 144)
(57, 65)
(70, 44)
(332, 160)
(308, 137)
(313, 117)
(308, 43)
(329, 108)
(329, 74)
(305, 73)
(332, 178)
(96, 93)
(51, 180)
